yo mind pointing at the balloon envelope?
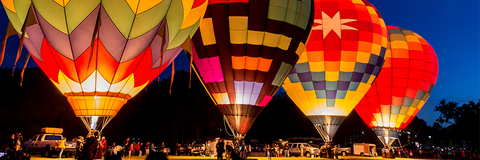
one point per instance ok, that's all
(403, 86)
(343, 57)
(99, 54)
(244, 51)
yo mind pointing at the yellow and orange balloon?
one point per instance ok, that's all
(342, 58)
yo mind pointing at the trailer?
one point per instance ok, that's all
(364, 149)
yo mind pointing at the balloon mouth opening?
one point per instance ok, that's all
(103, 106)
(386, 135)
(94, 122)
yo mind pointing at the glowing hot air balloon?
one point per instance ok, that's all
(343, 56)
(244, 51)
(402, 87)
(99, 54)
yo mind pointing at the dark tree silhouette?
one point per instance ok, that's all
(187, 115)
(464, 119)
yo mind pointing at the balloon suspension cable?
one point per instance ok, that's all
(106, 120)
(203, 84)
(402, 148)
(86, 121)
(92, 124)
(226, 123)
(323, 133)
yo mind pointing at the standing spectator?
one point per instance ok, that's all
(99, 153)
(131, 149)
(276, 150)
(242, 151)
(61, 146)
(152, 148)
(268, 150)
(329, 151)
(335, 152)
(287, 152)
(162, 148)
(177, 151)
(17, 147)
(137, 149)
(87, 153)
(113, 146)
(134, 148)
(454, 154)
(11, 147)
(220, 149)
(126, 147)
(104, 142)
(301, 149)
(147, 148)
(265, 148)
(95, 143)
(249, 150)
(79, 147)
(229, 150)
(142, 148)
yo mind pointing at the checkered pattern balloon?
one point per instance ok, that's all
(245, 49)
(404, 84)
(342, 58)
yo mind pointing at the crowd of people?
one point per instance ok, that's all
(235, 151)
(93, 148)
(436, 153)
(14, 147)
(132, 148)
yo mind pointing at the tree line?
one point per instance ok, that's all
(188, 115)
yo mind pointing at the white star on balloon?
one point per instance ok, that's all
(334, 23)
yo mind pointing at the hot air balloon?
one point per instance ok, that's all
(99, 54)
(243, 50)
(342, 58)
(402, 87)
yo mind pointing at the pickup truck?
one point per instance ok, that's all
(344, 151)
(308, 151)
(46, 144)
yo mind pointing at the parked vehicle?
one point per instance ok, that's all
(364, 149)
(344, 151)
(256, 145)
(47, 143)
(308, 150)
(211, 149)
(198, 148)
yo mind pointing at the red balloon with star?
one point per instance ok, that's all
(342, 58)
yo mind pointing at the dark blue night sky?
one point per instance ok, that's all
(451, 27)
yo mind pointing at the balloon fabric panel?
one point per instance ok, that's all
(343, 56)
(404, 84)
(244, 51)
(68, 39)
